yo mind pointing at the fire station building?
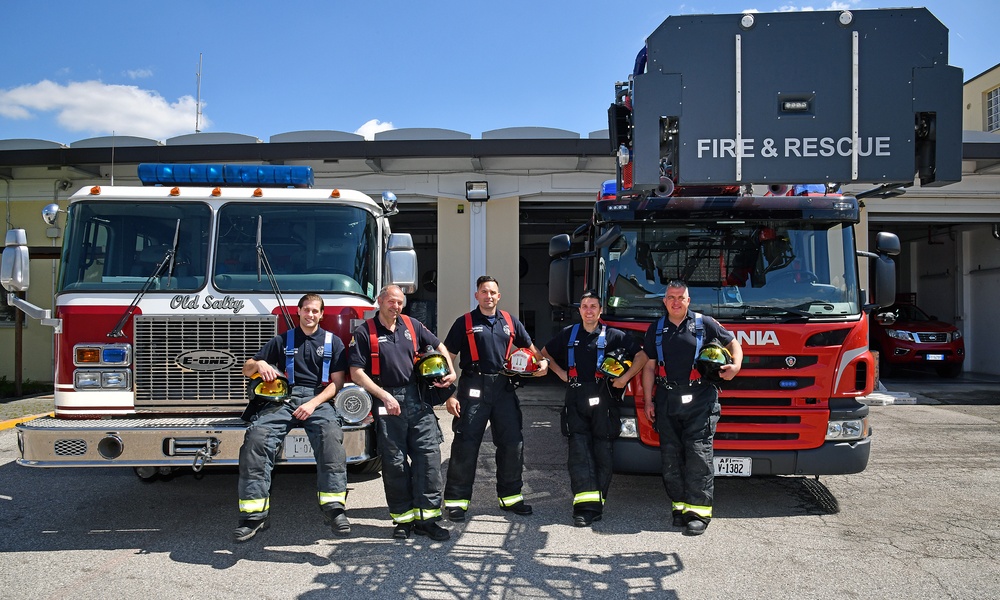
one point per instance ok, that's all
(490, 203)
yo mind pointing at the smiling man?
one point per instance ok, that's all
(314, 371)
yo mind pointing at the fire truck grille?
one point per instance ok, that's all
(194, 363)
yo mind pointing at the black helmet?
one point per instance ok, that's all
(712, 357)
(615, 363)
(268, 391)
(431, 366)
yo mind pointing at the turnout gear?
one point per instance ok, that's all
(686, 413)
(270, 413)
(486, 396)
(410, 442)
(590, 416)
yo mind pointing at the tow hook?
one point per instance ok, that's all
(204, 455)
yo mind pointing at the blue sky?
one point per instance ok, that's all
(75, 70)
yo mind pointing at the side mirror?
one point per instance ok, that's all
(559, 245)
(885, 280)
(14, 267)
(401, 262)
(560, 282)
(887, 243)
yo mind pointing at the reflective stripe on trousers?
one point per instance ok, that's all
(266, 433)
(498, 407)
(410, 446)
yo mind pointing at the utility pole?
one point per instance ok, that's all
(197, 110)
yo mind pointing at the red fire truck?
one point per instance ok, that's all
(165, 290)
(732, 135)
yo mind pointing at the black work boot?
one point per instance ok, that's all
(431, 530)
(337, 521)
(456, 515)
(518, 508)
(249, 528)
(695, 527)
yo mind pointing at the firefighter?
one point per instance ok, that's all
(597, 362)
(314, 364)
(485, 338)
(685, 409)
(382, 357)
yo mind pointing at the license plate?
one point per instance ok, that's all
(298, 446)
(935, 357)
(732, 466)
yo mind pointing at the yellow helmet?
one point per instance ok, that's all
(615, 363)
(432, 366)
(271, 391)
(712, 357)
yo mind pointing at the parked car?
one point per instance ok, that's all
(907, 337)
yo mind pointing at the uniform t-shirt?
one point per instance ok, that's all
(492, 338)
(395, 350)
(308, 361)
(585, 349)
(680, 341)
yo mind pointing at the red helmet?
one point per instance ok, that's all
(520, 362)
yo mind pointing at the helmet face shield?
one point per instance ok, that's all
(270, 391)
(615, 364)
(431, 367)
(711, 359)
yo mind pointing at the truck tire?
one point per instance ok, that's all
(368, 467)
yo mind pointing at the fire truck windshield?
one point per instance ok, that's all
(745, 270)
(117, 246)
(310, 247)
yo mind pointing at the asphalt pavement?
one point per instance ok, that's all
(921, 522)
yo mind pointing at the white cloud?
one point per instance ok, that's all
(100, 109)
(138, 73)
(369, 129)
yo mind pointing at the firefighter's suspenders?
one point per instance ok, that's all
(290, 356)
(470, 334)
(571, 352)
(373, 341)
(699, 337)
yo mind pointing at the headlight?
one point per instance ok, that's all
(851, 429)
(99, 379)
(353, 403)
(899, 335)
(956, 335)
(629, 428)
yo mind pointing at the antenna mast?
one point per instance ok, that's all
(197, 111)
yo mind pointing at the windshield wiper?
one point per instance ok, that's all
(262, 263)
(752, 310)
(166, 263)
(817, 304)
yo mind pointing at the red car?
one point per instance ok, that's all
(907, 337)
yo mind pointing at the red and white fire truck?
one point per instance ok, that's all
(722, 134)
(165, 290)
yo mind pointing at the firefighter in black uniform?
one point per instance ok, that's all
(485, 338)
(382, 356)
(314, 363)
(590, 416)
(686, 407)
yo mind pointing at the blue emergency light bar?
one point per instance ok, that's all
(231, 175)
